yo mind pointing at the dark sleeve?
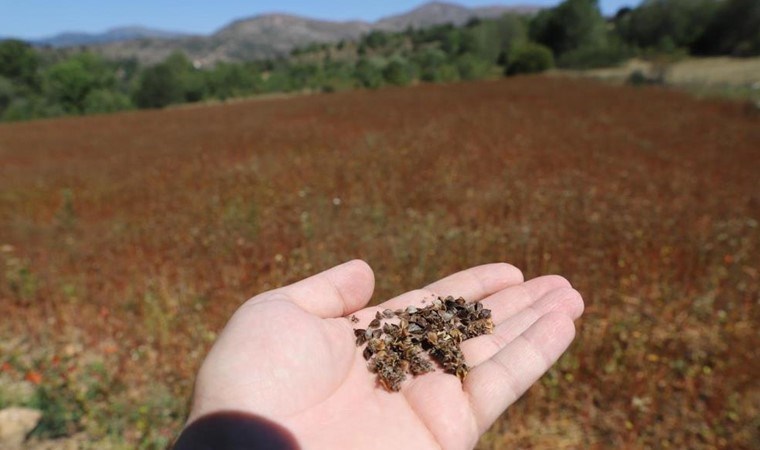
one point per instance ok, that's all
(235, 431)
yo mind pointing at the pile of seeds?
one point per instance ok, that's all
(406, 341)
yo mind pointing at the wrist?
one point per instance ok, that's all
(233, 430)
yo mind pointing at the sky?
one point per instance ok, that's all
(29, 19)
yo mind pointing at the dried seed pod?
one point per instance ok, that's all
(361, 336)
(423, 335)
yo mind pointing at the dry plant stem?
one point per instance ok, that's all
(408, 345)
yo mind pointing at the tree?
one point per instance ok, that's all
(368, 74)
(69, 82)
(530, 58)
(230, 80)
(19, 63)
(571, 25)
(397, 73)
(470, 67)
(577, 34)
(172, 81)
(430, 62)
(31, 107)
(102, 101)
(158, 86)
(376, 39)
(7, 93)
(660, 24)
(734, 29)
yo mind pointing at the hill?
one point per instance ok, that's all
(121, 34)
(274, 35)
(437, 13)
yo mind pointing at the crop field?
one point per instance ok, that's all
(126, 241)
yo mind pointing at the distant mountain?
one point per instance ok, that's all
(437, 13)
(277, 34)
(270, 35)
(75, 39)
(265, 36)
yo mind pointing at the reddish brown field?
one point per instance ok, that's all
(126, 241)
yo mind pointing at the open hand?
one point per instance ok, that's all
(289, 355)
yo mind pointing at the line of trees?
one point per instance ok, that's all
(35, 83)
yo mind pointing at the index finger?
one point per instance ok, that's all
(478, 282)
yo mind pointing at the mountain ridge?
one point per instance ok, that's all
(276, 34)
(117, 34)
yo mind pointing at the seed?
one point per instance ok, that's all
(421, 336)
(361, 336)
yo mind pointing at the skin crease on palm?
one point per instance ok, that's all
(289, 355)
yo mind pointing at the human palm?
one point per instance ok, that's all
(289, 355)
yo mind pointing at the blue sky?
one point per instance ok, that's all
(41, 18)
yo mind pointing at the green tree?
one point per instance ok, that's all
(470, 67)
(19, 63)
(398, 73)
(497, 38)
(228, 80)
(376, 39)
(31, 107)
(305, 75)
(7, 93)
(430, 61)
(157, 87)
(734, 29)
(69, 82)
(666, 24)
(571, 25)
(368, 74)
(451, 41)
(102, 101)
(172, 81)
(530, 58)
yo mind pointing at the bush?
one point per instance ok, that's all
(530, 58)
(637, 78)
(591, 57)
(368, 74)
(7, 92)
(69, 82)
(228, 80)
(102, 101)
(397, 73)
(32, 107)
(734, 30)
(471, 67)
